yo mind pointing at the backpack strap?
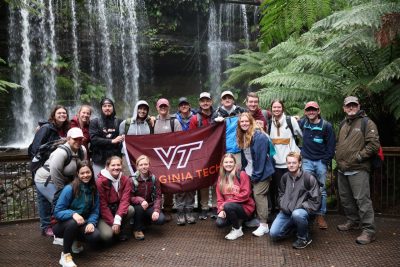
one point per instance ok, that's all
(128, 122)
(269, 121)
(69, 154)
(199, 120)
(364, 124)
(307, 180)
(172, 124)
(289, 124)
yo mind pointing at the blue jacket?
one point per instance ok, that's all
(262, 162)
(184, 121)
(67, 205)
(318, 141)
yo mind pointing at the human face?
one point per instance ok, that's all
(107, 109)
(143, 166)
(114, 168)
(84, 115)
(293, 165)
(163, 110)
(312, 113)
(351, 109)
(142, 112)
(277, 109)
(85, 174)
(184, 108)
(227, 101)
(228, 164)
(252, 103)
(205, 103)
(60, 116)
(244, 123)
(75, 143)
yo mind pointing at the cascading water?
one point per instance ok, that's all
(244, 20)
(75, 57)
(214, 51)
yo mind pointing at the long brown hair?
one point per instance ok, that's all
(244, 137)
(52, 118)
(76, 182)
(227, 178)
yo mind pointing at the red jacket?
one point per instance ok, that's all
(108, 196)
(259, 116)
(241, 194)
(205, 120)
(144, 191)
(85, 130)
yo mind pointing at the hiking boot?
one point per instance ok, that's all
(365, 238)
(252, 223)
(190, 218)
(214, 213)
(66, 260)
(321, 222)
(77, 247)
(48, 232)
(349, 225)
(138, 235)
(234, 234)
(180, 218)
(203, 215)
(261, 230)
(301, 243)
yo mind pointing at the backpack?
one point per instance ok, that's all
(154, 189)
(128, 123)
(289, 125)
(378, 158)
(43, 153)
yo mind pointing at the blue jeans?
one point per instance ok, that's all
(45, 196)
(318, 169)
(284, 224)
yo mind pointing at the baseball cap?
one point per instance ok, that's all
(224, 93)
(183, 100)
(205, 95)
(162, 101)
(75, 133)
(350, 99)
(311, 104)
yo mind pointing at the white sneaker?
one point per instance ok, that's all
(66, 260)
(234, 234)
(58, 241)
(77, 247)
(261, 230)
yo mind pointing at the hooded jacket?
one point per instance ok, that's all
(85, 130)
(144, 191)
(353, 149)
(102, 131)
(137, 127)
(109, 196)
(184, 121)
(205, 119)
(259, 116)
(46, 133)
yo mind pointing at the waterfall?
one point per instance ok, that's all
(75, 57)
(91, 36)
(214, 51)
(245, 25)
(53, 56)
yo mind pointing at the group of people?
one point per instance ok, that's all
(88, 191)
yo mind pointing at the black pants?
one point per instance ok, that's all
(234, 213)
(142, 217)
(70, 231)
(273, 189)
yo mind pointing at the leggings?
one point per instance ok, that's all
(234, 213)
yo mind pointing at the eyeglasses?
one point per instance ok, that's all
(311, 109)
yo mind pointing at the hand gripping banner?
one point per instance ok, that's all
(181, 161)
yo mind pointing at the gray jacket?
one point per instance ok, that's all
(136, 127)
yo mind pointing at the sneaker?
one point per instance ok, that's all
(58, 241)
(190, 218)
(261, 230)
(234, 234)
(321, 222)
(76, 247)
(138, 235)
(252, 223)
(66, 260)
(48, 232)
(203, 215)
(349, 225)
(180, 218)
(214, 213)
(365, 238)
(301, 243)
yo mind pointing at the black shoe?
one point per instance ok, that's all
(214, 214)
(301, 243)
(203, 215)
(123, 237)
(180, 218)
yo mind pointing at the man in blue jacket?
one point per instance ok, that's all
(317, 151)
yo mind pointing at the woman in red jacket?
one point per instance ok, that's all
(234, 200)
(81, 120)
(114, 192)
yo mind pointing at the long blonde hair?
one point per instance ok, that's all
(244, 137)
(227, 178)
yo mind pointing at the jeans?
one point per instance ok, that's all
(45, 195)
(319, 170)
(284, 224)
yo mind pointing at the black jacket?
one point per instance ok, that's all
(46, 133)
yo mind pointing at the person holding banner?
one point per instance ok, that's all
(115, 192)
(146, 197)
(234, 200)
(257, 164)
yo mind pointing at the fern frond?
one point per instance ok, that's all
(388, 73)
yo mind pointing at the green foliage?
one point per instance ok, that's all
(65, 90)
(5, 84)
(92, 93)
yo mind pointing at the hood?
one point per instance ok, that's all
(106, 99)
(135, 110)
(107, 174)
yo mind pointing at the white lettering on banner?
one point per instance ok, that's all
(167, 157)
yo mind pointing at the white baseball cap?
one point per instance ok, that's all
(224, 93)
(75, 133)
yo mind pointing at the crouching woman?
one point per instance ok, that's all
(115, 192)
(146, 197)
(234, 200)
(77, 213)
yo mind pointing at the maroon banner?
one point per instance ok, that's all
(181, 161)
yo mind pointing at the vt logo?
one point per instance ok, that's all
(185, 150)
